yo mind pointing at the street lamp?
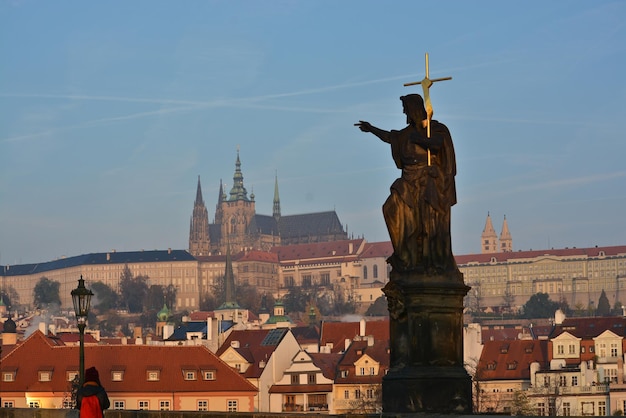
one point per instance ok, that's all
(81, 296)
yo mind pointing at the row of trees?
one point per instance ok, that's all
(135, 295)
(540, 305)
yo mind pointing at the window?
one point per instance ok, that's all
(369, 393)
(344, 373)
(582, 349)
(541, 409)
(574, 380)
(364, 272)
(602, 408)
(8, 376)
(45, 376)
(572, 349)
(613, 350)
(153, 375)
(143, 405)
(189, 375)
(203, 405)
(491, 366)
(68, 404)
(361, 371)
(232, 406)
(375, 271)
(33, 404)
(357, 394)
(295, 379)
(11, 404)
(546, 382)
(289, 282)
(562, 380)
(567, 409)
(117, 376)
(346, 395)
(312, 378)
(71, 376)
(164, 405)
(372, 371)
(325, 279)
(306, 280)
(119, 405)
(209, 375)
(559, 349)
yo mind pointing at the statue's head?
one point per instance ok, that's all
(413, 105)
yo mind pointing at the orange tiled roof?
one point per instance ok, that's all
(510, 360)
(336, 333)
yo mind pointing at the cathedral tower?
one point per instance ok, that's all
(489, 238)
(235, 213)
(506, 242)
(199, 241)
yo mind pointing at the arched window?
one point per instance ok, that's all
(375, 271)
(364, 272)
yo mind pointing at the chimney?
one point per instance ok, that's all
(362, 327)
(169, 251)
(108, 256)
(347, 344)
(209, 328)
(350, 248)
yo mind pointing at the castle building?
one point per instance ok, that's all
(237, 224)
(489, 238)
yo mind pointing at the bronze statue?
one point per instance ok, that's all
(417, 212)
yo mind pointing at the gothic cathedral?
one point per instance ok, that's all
(237, 225)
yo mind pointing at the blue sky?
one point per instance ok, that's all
(109, 111)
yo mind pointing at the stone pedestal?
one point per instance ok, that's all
(426, 335)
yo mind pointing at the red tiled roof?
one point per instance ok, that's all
(378, 351)
(337, 333)
(510, 360)
(591, 327)
(503, 334)
(519, 255)
(134, 360)
(377, 249)
(325, 250)
(327, 362)
(250, 348)
(301, 388)
(201, 315)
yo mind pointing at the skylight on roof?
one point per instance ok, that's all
(274, 336)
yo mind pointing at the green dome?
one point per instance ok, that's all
(163, 314)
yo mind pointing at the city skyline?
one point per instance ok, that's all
(110, 112)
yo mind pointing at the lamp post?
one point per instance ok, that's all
(81, 297)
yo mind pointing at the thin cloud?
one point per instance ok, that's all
(578, 181)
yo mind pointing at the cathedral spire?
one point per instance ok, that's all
(489, 237)
(199, 199)
(238, 192)
(199, 241)
(230, 301)
(276, 209)
(506, 242)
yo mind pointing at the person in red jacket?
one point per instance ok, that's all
(91, 398)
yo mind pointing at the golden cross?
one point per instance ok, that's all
(426, 83)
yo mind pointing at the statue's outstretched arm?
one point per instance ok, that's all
(368, 127)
